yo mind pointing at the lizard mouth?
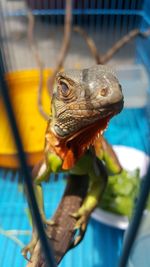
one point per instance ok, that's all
(97, 119)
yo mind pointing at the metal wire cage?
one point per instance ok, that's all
(106, 22)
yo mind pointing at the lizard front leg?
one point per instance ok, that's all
(105, 152)
(40, 172)
(97, 183)
(30, 247)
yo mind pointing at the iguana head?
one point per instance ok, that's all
(83, 102)
(83, 98)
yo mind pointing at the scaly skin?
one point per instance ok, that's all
(83, 102)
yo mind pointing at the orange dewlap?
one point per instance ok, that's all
(72, 148)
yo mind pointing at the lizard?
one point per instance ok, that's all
(83, 102)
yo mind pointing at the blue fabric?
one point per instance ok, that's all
(102, 244)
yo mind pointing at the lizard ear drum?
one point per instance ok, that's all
(104, 91)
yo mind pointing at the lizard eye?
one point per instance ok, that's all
(64, 88)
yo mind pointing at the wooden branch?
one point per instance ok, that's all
(38, 60)
(122, 42)
(90, 43)
(103, 59)
(62, 233)
(65, 45)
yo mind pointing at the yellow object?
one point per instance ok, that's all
(23, 89)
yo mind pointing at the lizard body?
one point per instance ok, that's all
(83, 102)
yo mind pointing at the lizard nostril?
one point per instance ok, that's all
(104, 91)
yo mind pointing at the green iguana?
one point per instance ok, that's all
(83, 102)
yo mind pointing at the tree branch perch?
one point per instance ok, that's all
(64, 47)
(40, 64)
(62, 232)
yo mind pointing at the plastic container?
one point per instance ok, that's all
(140, 256)
(135, 83)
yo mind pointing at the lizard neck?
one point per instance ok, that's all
(59, 146)
(72, 148)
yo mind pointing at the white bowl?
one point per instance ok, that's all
(130, 159)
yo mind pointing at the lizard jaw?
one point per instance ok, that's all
(87, 135)
(72, 148)
(77, 145)
(70, 127)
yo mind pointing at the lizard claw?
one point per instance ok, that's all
(82, 219)
(48, 222)
(80, 226)
(28, 250)
(78, 238)
(79, 234)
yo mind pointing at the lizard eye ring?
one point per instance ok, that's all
(64, 88)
